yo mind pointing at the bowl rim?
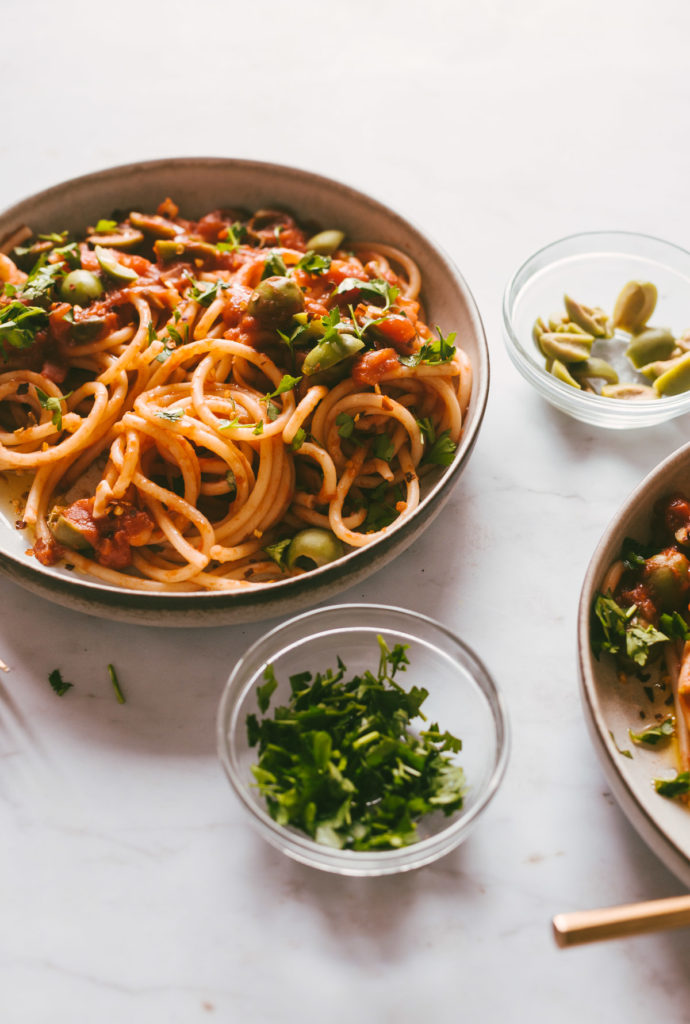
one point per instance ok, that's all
(103, 598)
(676, 858)
(354, 862)
(568, 399)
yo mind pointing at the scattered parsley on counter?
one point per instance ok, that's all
(58, 683)
(340, 762)
(116, 685)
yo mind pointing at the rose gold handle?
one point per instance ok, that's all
(617, 922)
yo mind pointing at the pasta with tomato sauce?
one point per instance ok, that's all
(218, 403)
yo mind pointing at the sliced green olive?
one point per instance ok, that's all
(88, 328)
(569, 348)
(540, 328)
(595, 369)
(561, 372)
(667, 576)
(81, 287)
(592, 319)
(634, 306)
(185, 248)
(110, 266)
(327, 353)
(124, 238)
(676, 379)
(66, 532)
(275, 300)
(631, 392)
(313, 547)
(152, 224)
(326, 242)
(650, 345)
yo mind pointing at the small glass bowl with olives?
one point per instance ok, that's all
(599, 324)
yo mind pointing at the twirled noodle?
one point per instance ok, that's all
(199, 401)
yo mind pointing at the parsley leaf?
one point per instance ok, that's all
(278, 551)
(314, 263)
(376, 291)
(264, 693)
(441, 350)
(298, 440)
(53, 404)
(383, 447)
(259, 427)
(442, 450)
(116, 685)
(235, 235)
(206, 292)
(345, 424)
(655, 735)
(58, 683)
(274, 266)
(19, 324)
(614, 630)
(287, 383)
(673, 787)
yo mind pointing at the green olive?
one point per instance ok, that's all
(313, 547)
(591, 319)
(109, 265)
(629, 392)
(569, 348)
(561, 372)
(81, 288)
(595, 369)
(326, 242)
(153, 224)
(667, 577)
(275, 300)
(327, 353)
(87, 329)
(185, 249)
(650, 345)
(676, 379)
(634, 306)
(121, 238)
(67, 532)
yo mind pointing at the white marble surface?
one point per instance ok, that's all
(130, 886)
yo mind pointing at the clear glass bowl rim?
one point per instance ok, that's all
(350, 862)
(596, 409)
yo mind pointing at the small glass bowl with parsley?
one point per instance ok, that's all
(362, 739)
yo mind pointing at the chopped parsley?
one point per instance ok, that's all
(172, 415)
(341, 762)
(235, 235)
(274, 266)
(377, 291)
(679, 786)
(278, 551)
(615, 630)
(299, 439)
(58, 683)
(19, 324)
(53, 404)
(314, 263)
(345, 424)
(441, 350)
(116, 685)
(654, 735)
(206, 292)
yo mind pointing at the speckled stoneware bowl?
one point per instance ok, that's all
(199, 185)
(612, 707)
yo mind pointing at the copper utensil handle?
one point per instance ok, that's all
(616, 922)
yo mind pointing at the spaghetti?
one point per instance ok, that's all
(219, 403)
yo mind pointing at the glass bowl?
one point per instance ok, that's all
(463, 699)
(593, 268)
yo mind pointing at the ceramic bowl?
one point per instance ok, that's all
(593, 268)
(199, 185)
(462, 698)
(612, 706)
